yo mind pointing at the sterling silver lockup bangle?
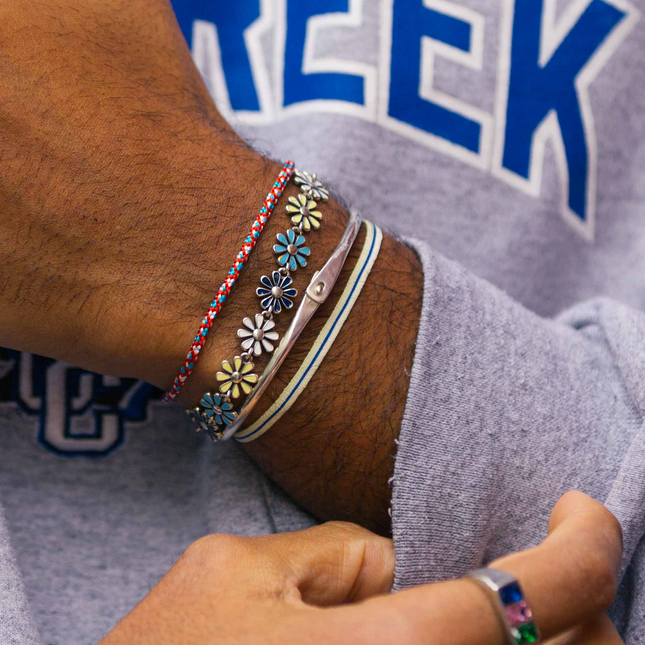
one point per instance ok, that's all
(317, 292)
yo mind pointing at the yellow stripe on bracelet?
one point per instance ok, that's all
(325, 340)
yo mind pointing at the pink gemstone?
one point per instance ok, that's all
(518, 613)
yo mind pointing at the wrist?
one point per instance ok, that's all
(200, 257)
(334, 450)
(166, 255)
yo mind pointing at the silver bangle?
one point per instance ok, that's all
(317, 292)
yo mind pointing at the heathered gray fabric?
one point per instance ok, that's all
(16, 625)
(509, 411)
(506, 410)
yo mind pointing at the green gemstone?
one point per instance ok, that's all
(529, 633)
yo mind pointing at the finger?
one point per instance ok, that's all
(568, 580)
(230, 589)
(599, 631)
(329, 564)
(571, 577)
(575, 502)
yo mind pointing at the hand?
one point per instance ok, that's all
(329, 585)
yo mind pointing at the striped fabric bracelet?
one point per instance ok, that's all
(231, 279)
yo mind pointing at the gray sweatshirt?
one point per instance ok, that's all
(506, 141)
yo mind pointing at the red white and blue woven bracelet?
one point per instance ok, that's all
(231, 279)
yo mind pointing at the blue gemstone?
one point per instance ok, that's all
(510, 593)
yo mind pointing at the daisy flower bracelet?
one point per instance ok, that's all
(258, 334)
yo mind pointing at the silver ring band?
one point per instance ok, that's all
(512, 608)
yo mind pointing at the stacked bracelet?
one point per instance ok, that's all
(231, 278)
(215, 412)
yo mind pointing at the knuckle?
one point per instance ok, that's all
(603, 561)
(213, 550)
(354, 538)
(346, 529)
(354, 534)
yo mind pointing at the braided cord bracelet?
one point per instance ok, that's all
(231, 279)
(215, 412)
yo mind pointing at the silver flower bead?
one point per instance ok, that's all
(304, 214)
(236, 378)
(257, 335)
(311, 185)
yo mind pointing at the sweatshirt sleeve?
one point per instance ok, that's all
(507, 411)
(16, 623)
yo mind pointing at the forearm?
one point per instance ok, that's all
(334, 450)
(111, 161)
(126, 197)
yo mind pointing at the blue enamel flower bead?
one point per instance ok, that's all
(291, 251)
(276, 291)
(218, 408)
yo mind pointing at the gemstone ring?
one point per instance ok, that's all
(514, 611)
